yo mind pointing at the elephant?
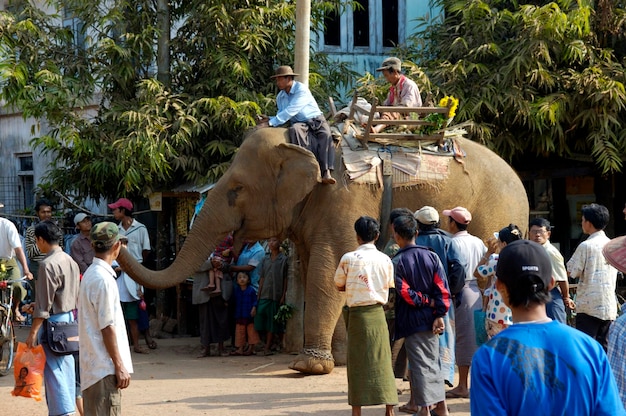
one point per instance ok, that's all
(274, 188)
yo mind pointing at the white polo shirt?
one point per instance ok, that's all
(138, 239)
(99, 307)
(9, 239)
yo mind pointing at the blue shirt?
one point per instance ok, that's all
(543, 369)
(252, 256)
(245, 300)
(297, 107)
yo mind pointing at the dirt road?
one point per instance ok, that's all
(172, 381)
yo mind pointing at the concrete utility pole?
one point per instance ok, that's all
(303, 40)
(294, 334)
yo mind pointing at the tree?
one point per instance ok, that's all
(541, 77)
(143, 135)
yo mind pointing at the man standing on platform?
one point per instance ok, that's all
(403, 91)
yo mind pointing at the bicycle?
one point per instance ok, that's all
(7, 333)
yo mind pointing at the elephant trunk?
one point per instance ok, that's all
(207, 230)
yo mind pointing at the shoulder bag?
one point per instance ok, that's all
(62, 337)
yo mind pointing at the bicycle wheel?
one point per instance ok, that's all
(7, 351)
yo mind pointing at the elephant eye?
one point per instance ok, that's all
(233, 194)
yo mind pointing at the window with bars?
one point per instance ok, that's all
(369, 26)
(75, 25)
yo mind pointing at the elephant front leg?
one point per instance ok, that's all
(323, 303)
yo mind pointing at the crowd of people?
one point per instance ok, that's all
(530, 359)
(86, 286)
(415, 311)
(243, 306)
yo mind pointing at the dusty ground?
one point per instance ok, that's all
(171, 381)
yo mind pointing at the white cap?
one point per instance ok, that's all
(79, 217)
(427, 215)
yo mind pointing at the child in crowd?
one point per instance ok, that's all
(223, 254)
(245, 309)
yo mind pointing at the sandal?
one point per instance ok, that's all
(204, 352)
(152, 344)
(140, 350)
(18, 317)
(406, 409)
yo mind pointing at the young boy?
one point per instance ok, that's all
(272, 290)
(245, 309)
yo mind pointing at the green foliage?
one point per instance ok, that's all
(537, 77)
(113, 129)
(285, 312)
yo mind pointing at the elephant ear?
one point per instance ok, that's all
(298, 175)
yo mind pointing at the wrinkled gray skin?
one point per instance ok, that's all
(274, 189)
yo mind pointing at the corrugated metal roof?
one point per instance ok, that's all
(188, 187)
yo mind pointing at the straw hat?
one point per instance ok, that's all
(284, 71)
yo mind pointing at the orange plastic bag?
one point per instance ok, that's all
(28, 371)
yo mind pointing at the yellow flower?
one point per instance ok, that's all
(450, 102)
(3, 268)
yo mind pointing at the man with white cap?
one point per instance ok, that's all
(615, 253)
(537, 365)
(81, 249)
(403, 91)
(472, 249)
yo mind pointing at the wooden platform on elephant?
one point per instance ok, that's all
(416, 124)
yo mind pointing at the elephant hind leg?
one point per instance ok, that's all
(313, 361)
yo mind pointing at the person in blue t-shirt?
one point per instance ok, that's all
(251, 255)
(538, 366)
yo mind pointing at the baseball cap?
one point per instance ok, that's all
(427, 215)
(121, 203)
(391, 63)
(104, 234)
(615, 253)
(79, 217)
(524, 265)
(458, 214)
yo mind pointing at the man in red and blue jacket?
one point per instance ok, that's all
(423, 299)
